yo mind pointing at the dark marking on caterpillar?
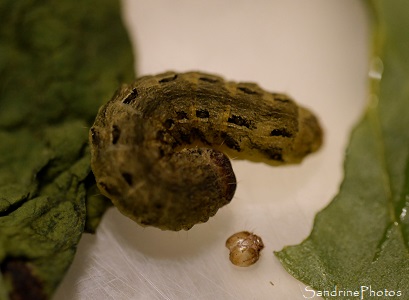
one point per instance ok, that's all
(94, 136)
(116, 132)
(168, 78)
(240, 121)
(180, 115)
(202, 113)
(230, 142)
(247, 90)
(168, 123)
(131, 96)
(197, 135)
(163, 159)
(280, 97)
(127, 177)
(280, 132)
(209, 79)
(107, 189)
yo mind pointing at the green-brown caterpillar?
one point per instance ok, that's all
(159, 145)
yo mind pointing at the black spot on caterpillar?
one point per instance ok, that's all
(159, 147)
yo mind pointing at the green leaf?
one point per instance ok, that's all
(96, 205)
(362, 238)
(59, 61)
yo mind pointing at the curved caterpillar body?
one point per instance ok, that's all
(158, 147)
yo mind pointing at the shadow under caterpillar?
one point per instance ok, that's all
(159, 147)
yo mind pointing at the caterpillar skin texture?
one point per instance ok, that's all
(159, 147)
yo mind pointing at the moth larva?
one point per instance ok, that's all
(158, 147)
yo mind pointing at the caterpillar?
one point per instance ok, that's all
(160, 146)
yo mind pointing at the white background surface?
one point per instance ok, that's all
(317, 52)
